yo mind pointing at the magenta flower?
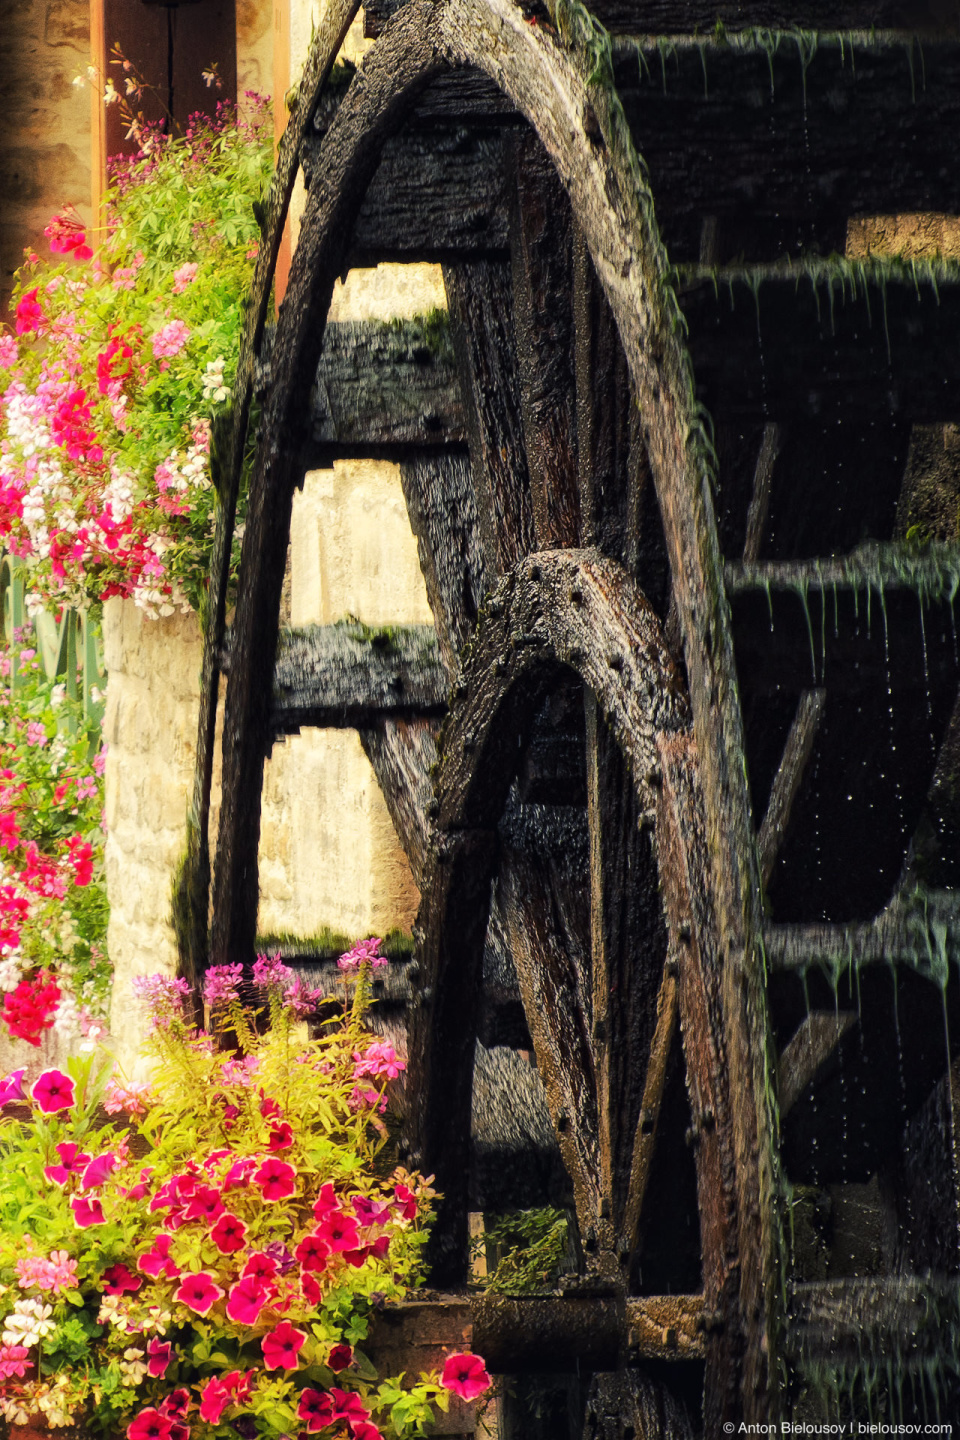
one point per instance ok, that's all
(340, 1232)
(205, 1204)
(198, 1292)
(281, 1136)
(340, 1357)
(118, 1278)
(281, 1347)
(313, 1252)
(365, 1430)
(11, 1087)
(220, 985)
(276, 1179)
(52, 1091)
(379, 1059)
(86, 1212)
(159, 1355)
(229, 1233)
(260, 1267)
(74, 1162)
(465, 1375)
(98, 1170)
(247, 1299)
(214, 1399)
(14, 1361)
(176, 1404)
(157, 1260)
(370, 1212)
(315, 1410)
(29, 312)
(310, 1288)
(149, 1425)
(365, 952)
(326, 1202)
(348, 1407)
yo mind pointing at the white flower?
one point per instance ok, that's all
(110, 96)
(28, 1323)
(132, 1366)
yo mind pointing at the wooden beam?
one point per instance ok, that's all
(760, 495)
(542, 257)
(347, 675)
(921, 930)
(807, 1050)
(789, 777)
(666, 17)
(402, 753)
(847, 1323)
(443, 516)
(645, 1138)
(480, 298)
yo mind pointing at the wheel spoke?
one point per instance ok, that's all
(645, 1138)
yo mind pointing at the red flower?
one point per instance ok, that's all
(205, 1204)
(326, 1202)
(276, 1179)
(74, 1162)
(98, 1170)
(366, 1431)
(214, 1399)
(29, 312)
(348, 1406)
(260, 1267)
(340, 1357)
(465, 1375)
(340, 1231)
(281, 1136)
(176, 1404)
(228, 1234)
(406, 1202)
(149, 1425)
(30, 1008)
(310, 1288)
(282, 1346)
(156, 1261)
(198, 1292)
(247, 1299)
(118, 1279)
(159, 1355)
(315, 1409)
(86, 1212)
(313, 1252)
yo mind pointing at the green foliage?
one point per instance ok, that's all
(530, 1246)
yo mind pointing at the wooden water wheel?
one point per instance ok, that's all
(696, 783)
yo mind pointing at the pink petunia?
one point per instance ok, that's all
(214, 1399)
(73, 1162)
(149, 1425)
(119, 1279)
(157, 1260)
(348, 1406)
(326, 1202)
(340, 1231)
(340, 1357)
(282, 1346)
(176, 1404)
(276, 1179)
(159, 1355)
(52, 1091)
(247, 1299)
(406, 1202)
(465, 1375)
(261, 1267)
(86, 1212)
(198, 1292)
(365, 1430)
(310, 1288)
(11, 1086)
(98, 1170)
(313, 1252)
(29, 312)
(229, 1233)
(281, 1136)
(315, 1410)
(205, 1204)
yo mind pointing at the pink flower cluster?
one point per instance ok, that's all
(365, 952)
(56, 1272)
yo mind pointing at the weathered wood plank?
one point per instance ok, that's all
(480, 298)
(921, 930)
(435, 195)
(696, 948)
(443, 516)
(542, 256)
(347, 675)
(789, 777)
(848, 1322)
(385, 388)
(401, 753)
(665, 17)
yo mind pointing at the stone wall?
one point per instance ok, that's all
(44, 123)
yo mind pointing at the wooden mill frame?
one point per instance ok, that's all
(592, 544)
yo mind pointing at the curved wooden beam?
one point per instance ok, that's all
(560, 610)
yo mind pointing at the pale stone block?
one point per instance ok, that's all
(353, 552)
(390, 291)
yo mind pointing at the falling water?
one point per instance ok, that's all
(897, 788)
(926, 675)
